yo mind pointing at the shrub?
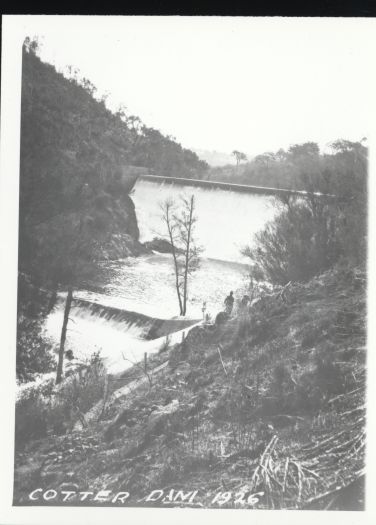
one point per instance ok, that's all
(31, 420)
(296, 245)
(312, 233)
(55, 408)
(34, 351)
(78, 393)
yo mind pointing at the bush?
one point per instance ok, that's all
(34, 351)
(312, 233)
(78, 393)
(295, 246)
(49, 408)
(31, 420)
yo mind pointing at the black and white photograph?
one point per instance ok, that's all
(192, 263)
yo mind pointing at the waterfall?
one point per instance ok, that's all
(121, 336)
(138, 325)
(227, 220)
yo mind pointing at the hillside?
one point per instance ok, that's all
(271, 402)
(78, 163)
(299, 167)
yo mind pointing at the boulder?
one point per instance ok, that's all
(221, 318)
(159, 245)
(158, 418)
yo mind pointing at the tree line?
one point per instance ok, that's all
(329, 225)
(284, 168)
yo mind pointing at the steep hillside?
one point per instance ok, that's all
(270, 402)
(79, 162)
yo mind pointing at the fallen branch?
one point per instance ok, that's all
(333, 492)
(220, 356)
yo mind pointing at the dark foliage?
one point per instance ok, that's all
(34, 351)
(312, 233)
(78, 164)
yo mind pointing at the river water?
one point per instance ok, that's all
(226, 222)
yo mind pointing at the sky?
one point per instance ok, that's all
(251, 84)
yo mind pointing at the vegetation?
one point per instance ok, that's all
(279, 410)
(35, 352)
(270, 402)
(312, 233)
(286, 168)
(239, 156)
(49, 408)
(180, 225)
(78, 163)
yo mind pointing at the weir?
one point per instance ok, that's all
(229, 186)
(228, 218)
(139, 325)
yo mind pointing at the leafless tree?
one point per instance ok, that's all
(180, 223)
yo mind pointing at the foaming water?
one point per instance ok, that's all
(147, 284)
(227, 220)
(119, 348)
(144, 285)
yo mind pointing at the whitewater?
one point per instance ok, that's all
(116, 319)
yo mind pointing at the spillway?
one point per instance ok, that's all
(137, 324)
(121, 336)
(227, 220)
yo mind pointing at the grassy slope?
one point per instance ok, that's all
(283, 412)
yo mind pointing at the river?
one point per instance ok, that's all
(226, 221)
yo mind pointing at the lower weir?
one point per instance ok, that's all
(139, 325)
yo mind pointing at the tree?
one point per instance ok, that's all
(69, 250)
(329, 224)
(74, 202)
(299, 243)
(239, 156)
(180, 225)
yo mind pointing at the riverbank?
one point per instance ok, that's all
(270, 403)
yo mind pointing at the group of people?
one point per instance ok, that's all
(229, 303)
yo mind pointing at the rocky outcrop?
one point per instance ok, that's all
(122, 246)
(159, 245)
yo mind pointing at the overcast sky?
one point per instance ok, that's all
(223, 83)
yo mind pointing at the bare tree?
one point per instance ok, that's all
(180, 223)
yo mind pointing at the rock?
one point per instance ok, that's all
(159, 245)
(159, 417)
(126, 417)
(221, 318)
(122, 245)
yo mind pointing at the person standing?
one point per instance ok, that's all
(229, 303)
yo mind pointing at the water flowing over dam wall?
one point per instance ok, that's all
(120, 336)
(210, 184)
(227, 219)
(138, 325)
